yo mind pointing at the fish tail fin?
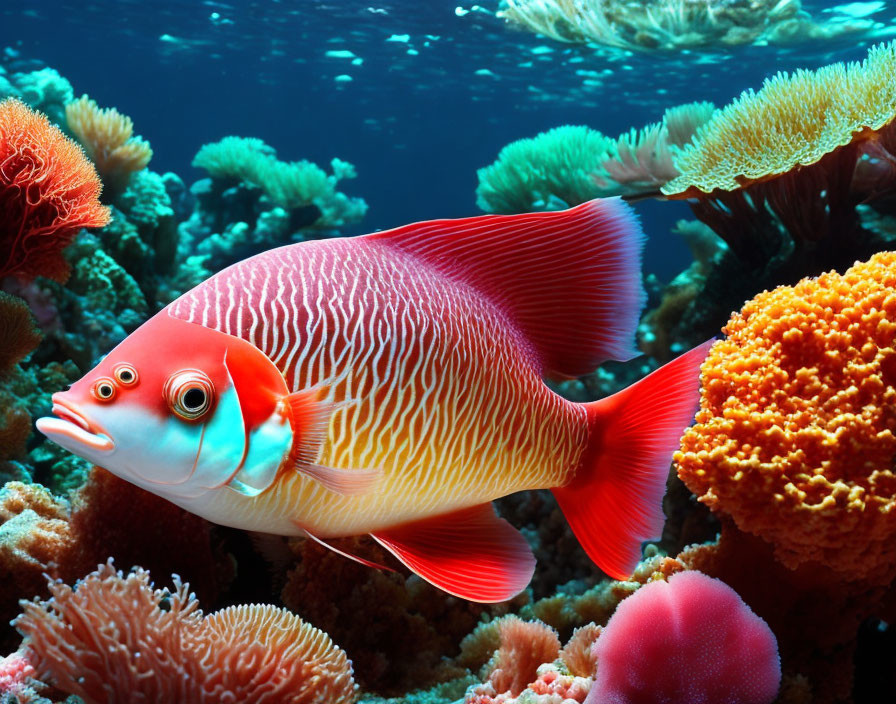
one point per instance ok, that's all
(614, 501)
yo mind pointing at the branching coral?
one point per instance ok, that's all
(48, 191)
(527, 664)
(116, 638)
(796, 433)
(108, 138)
(668, 24)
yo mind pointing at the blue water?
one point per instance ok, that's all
(416, 118)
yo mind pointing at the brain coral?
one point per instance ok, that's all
(795, 434)
(48, 191)
(795, 119)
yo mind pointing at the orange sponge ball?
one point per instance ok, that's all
(795, 434)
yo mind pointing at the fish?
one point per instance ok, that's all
(394, 384)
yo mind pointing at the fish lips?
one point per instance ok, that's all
(73, 431)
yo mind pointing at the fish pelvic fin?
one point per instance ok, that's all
(470, 553)
(614, 501)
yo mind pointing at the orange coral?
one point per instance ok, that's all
(108, 137)
(524, 645)
(35, 538)
(109, 640)
(274, 657)
(795, 434)
(48, 191)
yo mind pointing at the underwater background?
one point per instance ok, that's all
(403, 106)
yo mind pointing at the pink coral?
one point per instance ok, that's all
(690, 640)
(116, 638)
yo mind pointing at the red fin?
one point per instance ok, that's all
(309, 416)
(470, 553)
(348, 482)
(615, 501)
(571, 280)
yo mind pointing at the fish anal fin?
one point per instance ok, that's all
(470, 553)
(348, 555)
(348, 482)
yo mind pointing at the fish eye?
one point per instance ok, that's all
(126, 374)
(189, 394)
(103, 389)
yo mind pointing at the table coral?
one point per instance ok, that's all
(48, 191)
(796, 432)
(111, 640)
(786, 155)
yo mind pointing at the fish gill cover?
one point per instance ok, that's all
(753, 142)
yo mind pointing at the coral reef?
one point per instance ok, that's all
(108, 138)
(670, 24)
(48, 191)
(569, 165)
(796, 435)
(41, 534)
(548, 172)
(363, 610)
(788, 152)
(109, 639)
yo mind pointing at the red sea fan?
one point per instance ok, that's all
(48, 191)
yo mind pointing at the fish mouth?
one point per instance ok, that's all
(71, 429)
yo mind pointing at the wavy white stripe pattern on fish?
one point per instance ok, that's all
(433, 383)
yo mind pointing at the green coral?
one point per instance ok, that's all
(288, 184)
(550, 171)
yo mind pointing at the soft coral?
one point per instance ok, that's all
(48, 191)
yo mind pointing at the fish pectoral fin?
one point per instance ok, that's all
(355, 558)
(471, 553)
(348, 482)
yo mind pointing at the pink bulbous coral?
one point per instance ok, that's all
(688, 640)
(115, 638)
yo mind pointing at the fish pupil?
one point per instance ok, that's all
(194, 399)
(105, 390)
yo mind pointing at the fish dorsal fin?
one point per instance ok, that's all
(570, 279)
(471, 553)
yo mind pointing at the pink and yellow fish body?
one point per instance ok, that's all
(392, 384)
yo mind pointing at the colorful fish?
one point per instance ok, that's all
(392, 384)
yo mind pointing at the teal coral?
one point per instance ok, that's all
(550, 171)
(290, 185)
